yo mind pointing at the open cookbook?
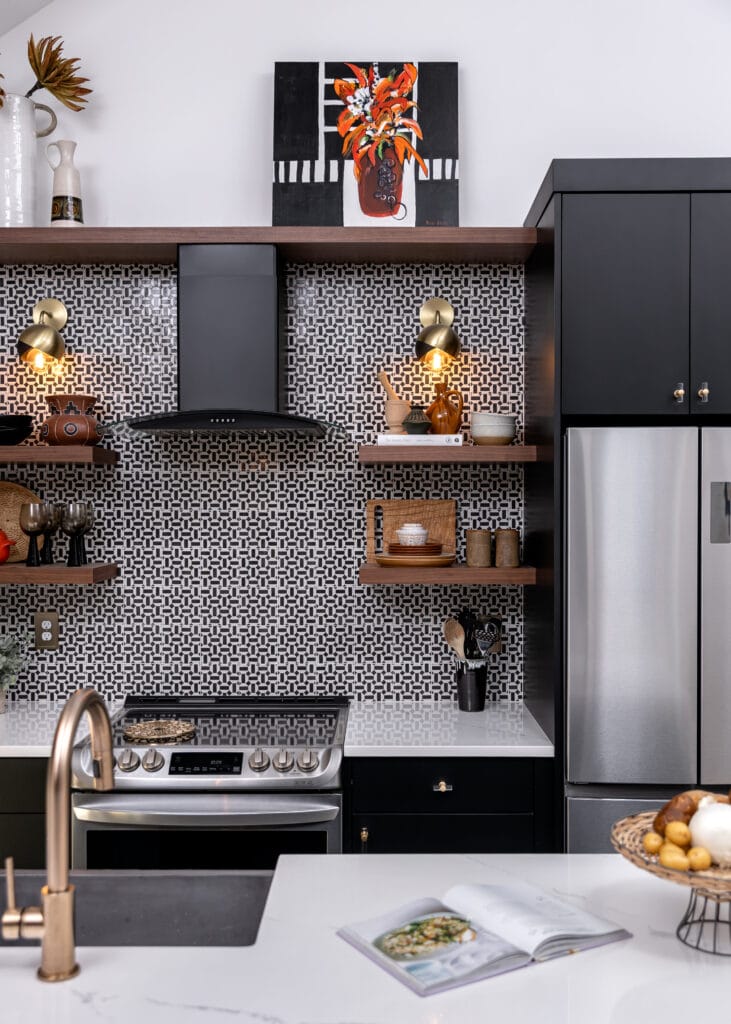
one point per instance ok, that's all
(475, 932)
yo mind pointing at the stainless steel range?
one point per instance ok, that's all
(214, 782)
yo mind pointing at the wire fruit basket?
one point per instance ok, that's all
(706, 924)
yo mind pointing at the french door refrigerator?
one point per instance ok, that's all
(648, 620)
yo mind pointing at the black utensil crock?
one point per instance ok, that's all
(471, 688)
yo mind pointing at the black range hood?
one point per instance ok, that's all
(228, 345)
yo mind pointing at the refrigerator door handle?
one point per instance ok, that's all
(720, 505)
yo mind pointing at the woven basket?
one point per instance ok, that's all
(627, 839)
(159, 731)
(12, 496)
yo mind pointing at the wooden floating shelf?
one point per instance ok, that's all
(296, 244)
(385, 455)
(461, 575)
(95, 572)
(77, 454)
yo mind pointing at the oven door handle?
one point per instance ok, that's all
(203, 810)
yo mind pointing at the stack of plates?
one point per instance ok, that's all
(429, 554)
(430, 548)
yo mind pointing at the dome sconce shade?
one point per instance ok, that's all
(41, 346)
(437, 343)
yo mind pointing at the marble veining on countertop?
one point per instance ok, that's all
(301, 972)
(425, 728)
(27, 727)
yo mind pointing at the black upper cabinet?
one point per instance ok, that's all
(710, 295)
(625, 303)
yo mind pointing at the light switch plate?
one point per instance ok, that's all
(45, 626)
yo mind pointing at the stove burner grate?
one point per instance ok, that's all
(159, 730)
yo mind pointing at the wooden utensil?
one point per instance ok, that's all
(454, 635)
(383, 377)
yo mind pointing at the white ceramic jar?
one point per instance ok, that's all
(412, 534)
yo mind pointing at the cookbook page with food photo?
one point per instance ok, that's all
(476, 932)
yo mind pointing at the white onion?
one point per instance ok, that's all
(710, 826)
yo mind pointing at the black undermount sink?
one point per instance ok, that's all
(153, 908)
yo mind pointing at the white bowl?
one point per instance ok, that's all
(483, 418)
(412, 534)
(495, 433)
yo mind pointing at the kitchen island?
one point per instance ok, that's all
(300, 972)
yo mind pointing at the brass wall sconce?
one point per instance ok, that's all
(41, 346)
(437, 343)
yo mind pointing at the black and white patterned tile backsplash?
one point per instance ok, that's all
(239, 556)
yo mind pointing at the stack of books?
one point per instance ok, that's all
(420, 439)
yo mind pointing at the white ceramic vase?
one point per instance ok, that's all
(66, 209)
(18, 134)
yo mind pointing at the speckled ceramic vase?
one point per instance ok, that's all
(70, 422)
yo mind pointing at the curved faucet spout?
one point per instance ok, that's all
(58, 780)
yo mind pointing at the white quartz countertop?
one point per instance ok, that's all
(300, 972)
(27, 727)
(388, 728)
(427, 728)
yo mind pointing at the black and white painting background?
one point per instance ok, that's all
(239, 556)
(314, 184)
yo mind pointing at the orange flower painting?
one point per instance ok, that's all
(366, 143)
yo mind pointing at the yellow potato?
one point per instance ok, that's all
(678, 832)
(671, 848)
(699, 858)
(652, 841)
(672, 857)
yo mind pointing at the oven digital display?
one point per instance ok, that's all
(188, 763)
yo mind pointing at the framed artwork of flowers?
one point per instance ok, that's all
(366, 143)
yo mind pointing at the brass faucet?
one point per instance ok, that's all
(53, 923)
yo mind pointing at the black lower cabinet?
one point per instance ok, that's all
(449, 805)
(22, 810)
(444, 833)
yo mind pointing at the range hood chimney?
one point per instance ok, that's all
(228, 345)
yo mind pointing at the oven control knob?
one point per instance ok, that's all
(153, 760)
(128, 760)
(284, 760)
(259, 760)
(308, 760)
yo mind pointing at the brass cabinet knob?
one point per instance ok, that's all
(679, 393)
(442, 787)
(703, 391)
(364, 835)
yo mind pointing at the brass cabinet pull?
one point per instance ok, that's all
(679, 393)
(364, 835)
(703, 391)
(442, 787)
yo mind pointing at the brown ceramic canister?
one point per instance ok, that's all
(507, 548)
(478, 548)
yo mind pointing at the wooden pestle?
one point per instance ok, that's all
(383, 377)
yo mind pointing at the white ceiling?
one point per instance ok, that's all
(12, 12)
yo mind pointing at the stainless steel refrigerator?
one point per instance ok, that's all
(648, 620)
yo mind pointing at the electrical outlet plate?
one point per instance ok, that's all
(45, 626)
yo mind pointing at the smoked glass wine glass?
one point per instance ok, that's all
(55, 514)
(33, 521)
(73, 523)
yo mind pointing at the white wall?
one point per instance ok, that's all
(179, 128)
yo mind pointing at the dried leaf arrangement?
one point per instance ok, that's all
(55, 73)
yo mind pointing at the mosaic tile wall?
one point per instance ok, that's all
(239, 556)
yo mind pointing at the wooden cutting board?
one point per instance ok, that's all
(438, 517)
